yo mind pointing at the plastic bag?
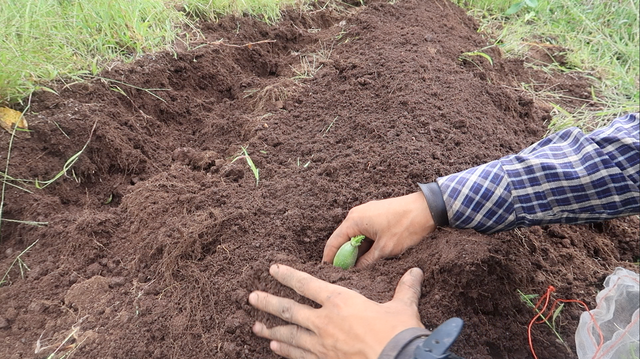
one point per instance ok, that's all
(616, 315)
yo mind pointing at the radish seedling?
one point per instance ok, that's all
(348, 253)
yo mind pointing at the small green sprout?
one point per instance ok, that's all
(468, 56)
(529, 298)
(254, 169)
(348, 253)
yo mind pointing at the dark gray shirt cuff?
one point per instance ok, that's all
(404, 344)
(436, 204)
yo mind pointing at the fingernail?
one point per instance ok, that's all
(416, 272)
(253, 298)
(274, 268)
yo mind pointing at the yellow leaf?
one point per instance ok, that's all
(10, 118)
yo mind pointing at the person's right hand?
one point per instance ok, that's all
(394, 224)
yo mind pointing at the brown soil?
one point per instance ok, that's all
(156, 236)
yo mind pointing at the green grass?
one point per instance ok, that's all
(266, 10)
(244, 154)
(67, 165)
(22, 266)
(45, 40)
(601, 38)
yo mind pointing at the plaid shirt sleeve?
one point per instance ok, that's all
(568, 177)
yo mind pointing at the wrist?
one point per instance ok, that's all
(435, 202)
(419, 343)
(421, 216)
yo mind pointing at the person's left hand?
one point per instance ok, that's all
(347, 326)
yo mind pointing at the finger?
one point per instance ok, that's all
(282, 308)
(409, 288)
(292, 335)
(290, 352)
(370, 256)
(340, 236)
(303, 283)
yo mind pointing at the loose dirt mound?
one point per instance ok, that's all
(156, 236)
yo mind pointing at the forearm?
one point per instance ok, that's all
(568, 177)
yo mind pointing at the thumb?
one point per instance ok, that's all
(369, 257)
(340, 236)
(410, 287)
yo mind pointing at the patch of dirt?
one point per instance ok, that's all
(156, 236)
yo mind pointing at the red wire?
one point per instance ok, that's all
(546, 298)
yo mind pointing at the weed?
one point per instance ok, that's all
(527, 298)
(68, 345)
(585, 117)
(310, 64)
(324, 132)
(6, 179)
(67, 165)
(602, 41)
(270, 94)
(44, 40)
(468, 57)
(531, 4)
(21, 265)
(298, 163)
(119, 90)
(59, 128)
(31, 223)
(5, 175)
(254, 169)
(307, 68)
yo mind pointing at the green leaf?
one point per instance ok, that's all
(556, 313)
(514, 8)
(531, 3)
(477, 53)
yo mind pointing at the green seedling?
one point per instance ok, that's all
(468, 56)
(528, 299)
(254, 169)
(348, 253)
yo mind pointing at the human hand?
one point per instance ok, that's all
(394, 224)
(348, 325)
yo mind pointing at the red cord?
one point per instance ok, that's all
(546, 298)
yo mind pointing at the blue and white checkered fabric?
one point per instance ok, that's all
(568, 177)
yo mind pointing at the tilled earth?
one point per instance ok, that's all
(156, 236)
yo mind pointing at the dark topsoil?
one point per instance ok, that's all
(156, 237)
